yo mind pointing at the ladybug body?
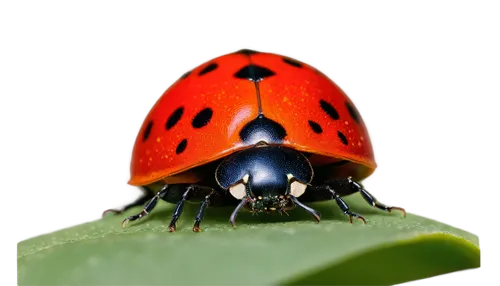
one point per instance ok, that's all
(255, 130)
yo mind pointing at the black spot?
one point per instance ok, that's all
(262, 129)
(329, 109)
(185, 75)
(315, 127)
(353, 111)
(202, 118)
(208, 69)
(181, 147)
(342, 138)
(254, 73)
(174, 118)
(246, 52)
(147, 131)
(292, 62)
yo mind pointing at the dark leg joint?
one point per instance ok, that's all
(243, 202)
(192, 192)
(148, 208)
(178, 210)
(201, 212)
(316, 215)
(147, 195)
(345, 208)
(372, 200)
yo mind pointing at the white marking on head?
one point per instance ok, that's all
(297, 189)
(238, 191)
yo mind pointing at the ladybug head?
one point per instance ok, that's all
(266, 177)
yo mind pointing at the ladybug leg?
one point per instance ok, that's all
(316, 215)
(243, 202)
(201, 211)
(344, 207)
(327, 191)
(371, 199)
(191, 191)
(146, 196)
(148, 208)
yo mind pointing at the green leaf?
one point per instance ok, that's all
(263, 249)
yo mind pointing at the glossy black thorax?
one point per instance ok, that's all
(268, 170)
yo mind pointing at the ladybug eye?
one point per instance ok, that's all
(239, 191)
(296, 188)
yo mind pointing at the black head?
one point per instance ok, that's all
(265, 176)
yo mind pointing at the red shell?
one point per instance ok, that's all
(292, 96)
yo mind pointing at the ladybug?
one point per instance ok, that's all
(255, 130)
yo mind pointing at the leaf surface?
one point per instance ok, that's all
(263, 249)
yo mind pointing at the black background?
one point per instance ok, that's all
(82, 96)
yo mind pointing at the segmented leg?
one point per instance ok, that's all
(201, 212)
(371, 199)
(148, 208)
(192, 191)
(344, 207)
(141, 196)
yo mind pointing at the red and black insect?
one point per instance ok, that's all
(256, 130)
